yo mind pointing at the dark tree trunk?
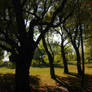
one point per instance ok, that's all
(74, 44)
(22, 75)
(83, 60)
(52, 71)
(78, 61)
(64, 60)
(23, 63)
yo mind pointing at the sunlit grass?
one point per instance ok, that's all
(5, 70)
(45, 71)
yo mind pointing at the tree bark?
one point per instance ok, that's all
(52, 71)
(23, 63)
(22, 75)
(83, 60)
(76, 51)
(64, 60)
(78, 61)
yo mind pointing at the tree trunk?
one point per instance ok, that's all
(52, 72)
(83, 60)
(64, 60)
(78, 62)
(22, 74)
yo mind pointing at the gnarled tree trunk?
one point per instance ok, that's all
(64, 60)
(22, 74)
(52, 71)
(78, 61)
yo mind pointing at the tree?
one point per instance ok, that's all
(51, 59)
(87, 29)
(73, 34)
(88, 45)
(1, 54)
(50, 54)
(63, 46)
(82, 25)
(20, 19)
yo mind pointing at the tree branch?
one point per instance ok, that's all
(60, 8)
(50, 47)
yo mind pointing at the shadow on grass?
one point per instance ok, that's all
(73, 83)
(73, 74)
(7, 82)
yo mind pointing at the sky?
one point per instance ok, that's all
(6, 57)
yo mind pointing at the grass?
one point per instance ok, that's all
(41, 78)
(5, 70)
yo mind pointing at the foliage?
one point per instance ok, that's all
(1, 54)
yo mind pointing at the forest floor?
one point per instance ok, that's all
(41, 82)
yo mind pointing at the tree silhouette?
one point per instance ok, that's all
(50, 57)
(18, 20)
(63, 45)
